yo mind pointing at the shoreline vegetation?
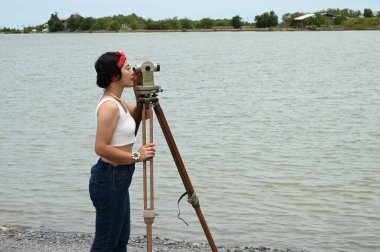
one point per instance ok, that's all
(15, 240)
(324, 20)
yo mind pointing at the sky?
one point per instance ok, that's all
(21, 13)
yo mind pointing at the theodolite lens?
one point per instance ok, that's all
(147, 68)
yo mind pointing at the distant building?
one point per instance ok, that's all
(329, 18)
(65, 23)
(45, 28)
(300, 21)
(303, 17)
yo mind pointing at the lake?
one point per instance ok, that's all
(279, 133)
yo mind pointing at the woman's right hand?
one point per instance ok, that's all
(147, 151)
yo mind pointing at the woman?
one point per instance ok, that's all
(112, 175)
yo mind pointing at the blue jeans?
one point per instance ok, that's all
(109, 193)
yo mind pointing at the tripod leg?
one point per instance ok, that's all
(183, 173)
(151, 160)
(147, 221)
(144, 163)
(137, 117)
(149, 212)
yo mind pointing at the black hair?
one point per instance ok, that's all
(106, 67)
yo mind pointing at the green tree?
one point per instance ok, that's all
(134, 18)
(152, 25)
(222, 22)
(87, 23)
(174, 23)
(342, 12)
(354, 14)
(10, 30)
(74, 22)
(287, 18)
(164, 24)
(186, 23)
(114, 26)
(368, 13)
(338, 20)
(236, 22)
(54, 23)
(28, 29)
(100, 24)
(318, 20)
(206, 23)
(134, 26)
(266, 20)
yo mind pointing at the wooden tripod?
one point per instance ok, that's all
(144, 106)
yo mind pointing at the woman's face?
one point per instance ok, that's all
(126, 75)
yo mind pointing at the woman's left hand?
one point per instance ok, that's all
(136, 78)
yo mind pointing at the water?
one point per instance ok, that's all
(279, 133)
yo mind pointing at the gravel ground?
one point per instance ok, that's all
(13, 240)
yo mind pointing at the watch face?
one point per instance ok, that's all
(136, 155)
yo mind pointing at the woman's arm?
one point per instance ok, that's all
(108, 116)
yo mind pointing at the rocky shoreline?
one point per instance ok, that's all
(14, 240)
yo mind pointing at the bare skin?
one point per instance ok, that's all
(108, 116)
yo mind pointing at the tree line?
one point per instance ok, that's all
(133, 22)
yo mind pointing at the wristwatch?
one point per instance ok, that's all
(136, 156)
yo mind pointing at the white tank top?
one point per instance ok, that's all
(125, 129)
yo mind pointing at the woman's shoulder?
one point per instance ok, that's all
(108, 104)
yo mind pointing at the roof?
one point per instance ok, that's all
(312, 15)
(305, 16)
(327, 15)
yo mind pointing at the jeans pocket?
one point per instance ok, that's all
(98, 191)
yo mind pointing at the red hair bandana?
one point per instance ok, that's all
(121, 60)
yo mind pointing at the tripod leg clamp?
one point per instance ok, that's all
(193, 200)
(149, 214)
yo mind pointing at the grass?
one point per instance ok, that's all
(362, 24)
